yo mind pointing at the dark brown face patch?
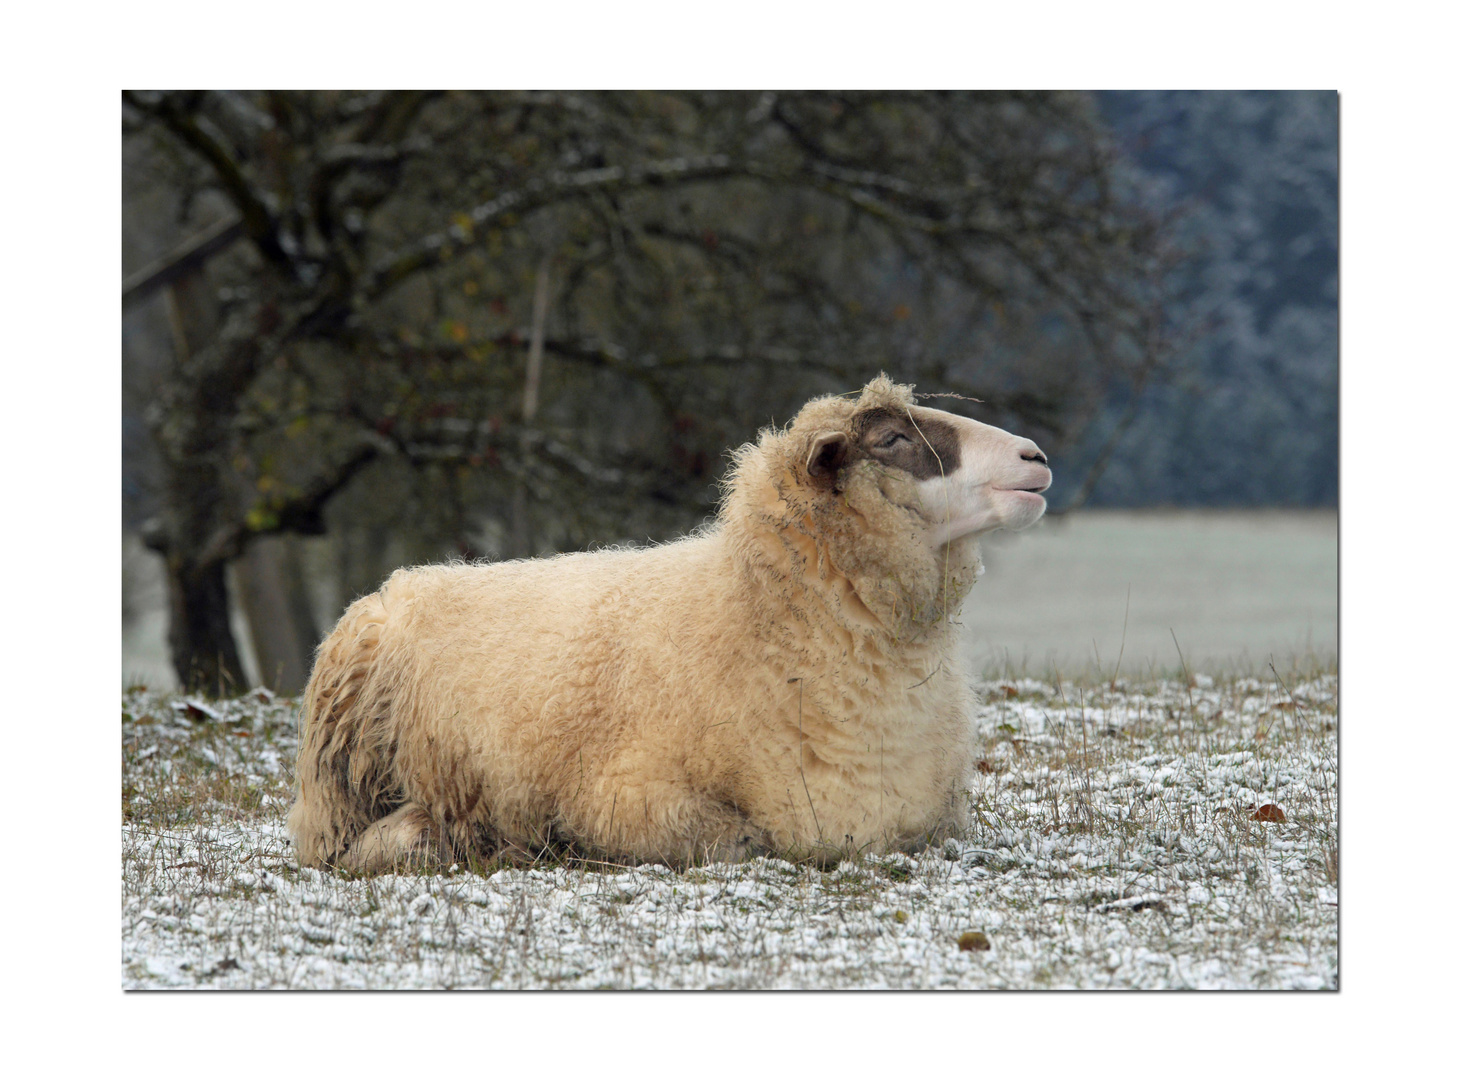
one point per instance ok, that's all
(927, 447)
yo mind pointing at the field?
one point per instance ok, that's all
(1073, 593)
(1130, 832)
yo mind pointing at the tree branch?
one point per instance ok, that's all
(438, 248)
(300, 512)
(392, 115)
(180, 261)
(258, 221)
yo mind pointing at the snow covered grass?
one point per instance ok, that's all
(1115, 840)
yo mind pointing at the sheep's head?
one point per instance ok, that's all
(960, 477)
(890, 496)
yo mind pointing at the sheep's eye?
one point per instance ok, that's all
(891, 440)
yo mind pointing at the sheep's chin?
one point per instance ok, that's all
(992, 510)
(1020, 508)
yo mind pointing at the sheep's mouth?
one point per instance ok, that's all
(1027, 490)
(1038, 482)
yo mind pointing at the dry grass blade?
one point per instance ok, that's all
(1161, 871)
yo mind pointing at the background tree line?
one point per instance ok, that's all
(1249, 414)
(499, 324)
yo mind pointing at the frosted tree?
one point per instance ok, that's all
(518, 319)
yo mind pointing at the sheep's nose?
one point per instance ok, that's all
(1033, 453)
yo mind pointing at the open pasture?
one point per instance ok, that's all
(1116, 838)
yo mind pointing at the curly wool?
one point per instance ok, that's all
(785, 680)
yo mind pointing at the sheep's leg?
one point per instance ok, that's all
(735, 844)
(406, 839)
(669, 822)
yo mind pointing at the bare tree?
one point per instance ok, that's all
(711, 254)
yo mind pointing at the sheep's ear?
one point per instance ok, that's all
(829, 451)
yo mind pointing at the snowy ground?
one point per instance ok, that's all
(1116, 840)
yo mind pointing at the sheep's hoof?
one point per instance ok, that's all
(406, 840)
(738, 849)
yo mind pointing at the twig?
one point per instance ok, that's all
(800, 721)
(1190, 697)
(1115, 677)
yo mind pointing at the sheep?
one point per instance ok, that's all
(786, 680)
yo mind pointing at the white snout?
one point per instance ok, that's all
(998, 485)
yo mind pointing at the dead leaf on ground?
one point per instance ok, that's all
(193, 709)
(1134, 903)
(1269, 812)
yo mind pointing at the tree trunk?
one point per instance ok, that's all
(198, 634)
(280, 622)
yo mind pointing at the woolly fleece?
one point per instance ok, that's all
(785, 680)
